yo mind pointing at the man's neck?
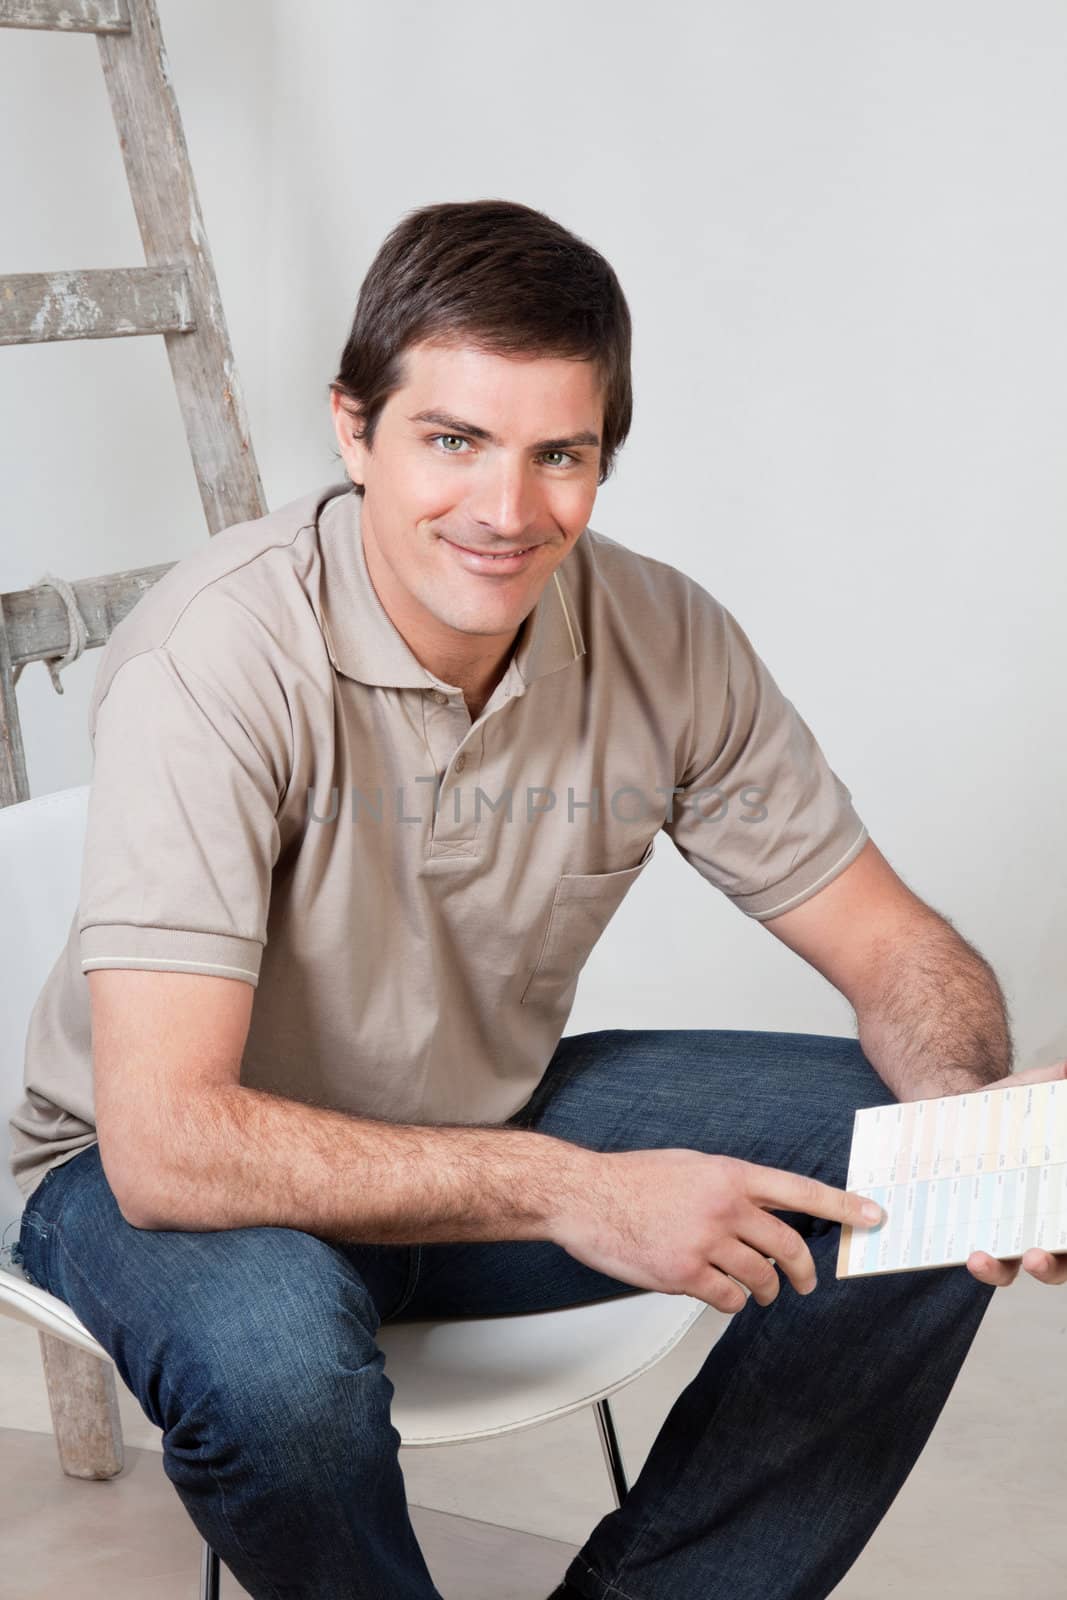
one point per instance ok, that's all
(478, 683)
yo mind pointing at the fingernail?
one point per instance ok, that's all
(872, 1212)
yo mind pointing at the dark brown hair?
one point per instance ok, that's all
(497, 275)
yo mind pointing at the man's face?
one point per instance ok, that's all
(432, 485)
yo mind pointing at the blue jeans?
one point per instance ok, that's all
(254, 1350)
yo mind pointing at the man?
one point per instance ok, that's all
(386, 762)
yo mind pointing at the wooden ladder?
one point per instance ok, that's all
(174, 294)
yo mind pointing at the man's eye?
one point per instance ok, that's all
(564, 456)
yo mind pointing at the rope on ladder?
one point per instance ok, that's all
(76, 624)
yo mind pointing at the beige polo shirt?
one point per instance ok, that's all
(283, 796)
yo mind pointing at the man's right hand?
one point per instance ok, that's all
(683, 1222)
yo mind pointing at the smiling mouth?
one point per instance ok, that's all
(492, 555)
(495, 556)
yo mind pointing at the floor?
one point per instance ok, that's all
(980, 1518)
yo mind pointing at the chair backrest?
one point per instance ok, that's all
(41, 846)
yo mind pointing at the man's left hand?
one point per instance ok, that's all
(1043, 1265)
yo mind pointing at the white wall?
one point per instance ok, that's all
(841, 233)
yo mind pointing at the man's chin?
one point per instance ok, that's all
(485, 622)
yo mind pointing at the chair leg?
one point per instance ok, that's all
(209, 1574)
(612, 1453)
(85, 1409)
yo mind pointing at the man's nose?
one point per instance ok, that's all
(507, 500)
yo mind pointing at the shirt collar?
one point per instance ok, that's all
(362, 639)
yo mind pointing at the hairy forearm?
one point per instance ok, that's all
(934, 1020)
(237, 1157)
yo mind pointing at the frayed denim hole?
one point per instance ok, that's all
(29, 1223)
(15, 1258)
(32, 1223)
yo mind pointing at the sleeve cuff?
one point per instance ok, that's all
(792, 891)
(218, 955)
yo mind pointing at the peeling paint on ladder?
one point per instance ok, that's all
(65, 309)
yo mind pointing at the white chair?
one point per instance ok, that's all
(455, 1380)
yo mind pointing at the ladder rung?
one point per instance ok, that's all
(112, 303)
(66, 16)
(36, 618)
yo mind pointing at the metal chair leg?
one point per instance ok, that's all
(209, 1574)
(612, 1453)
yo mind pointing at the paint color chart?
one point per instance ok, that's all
(980, 1171)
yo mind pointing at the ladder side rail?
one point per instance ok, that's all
(168, 214)
(14, 783)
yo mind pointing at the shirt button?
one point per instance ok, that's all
(461, 762)
(439, 696)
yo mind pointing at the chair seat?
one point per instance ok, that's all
(470, 1377)
(21, 1299)
(473, 1378)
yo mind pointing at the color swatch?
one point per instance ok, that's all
(979, 1171)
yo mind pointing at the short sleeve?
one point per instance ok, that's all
(757, 810)
(182, 833)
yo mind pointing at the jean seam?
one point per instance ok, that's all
(612, 1587)
(151, 1360)
(412, 1283)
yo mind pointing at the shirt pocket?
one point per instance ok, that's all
(582, 907)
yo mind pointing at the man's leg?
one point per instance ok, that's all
(776, 1464)
(254, 1350)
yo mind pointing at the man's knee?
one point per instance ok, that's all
(299, 1381)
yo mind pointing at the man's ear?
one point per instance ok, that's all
(346, 421)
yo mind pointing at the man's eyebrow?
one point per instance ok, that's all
(457, 425)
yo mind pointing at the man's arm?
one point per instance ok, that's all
(931, 1013)
(185, 1145)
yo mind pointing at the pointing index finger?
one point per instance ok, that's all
(800, 1193)
(845, 1205)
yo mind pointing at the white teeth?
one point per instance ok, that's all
(503, 555)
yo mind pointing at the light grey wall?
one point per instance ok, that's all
(841, 233)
